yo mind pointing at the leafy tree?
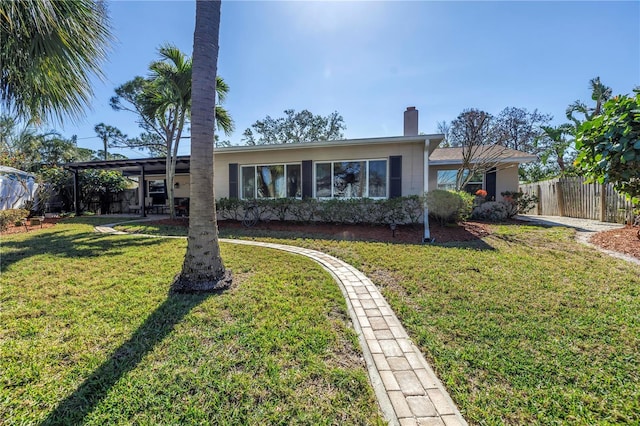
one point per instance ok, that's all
(163, 105)
(43, 154)
(474, 131)
(109, 136)
(517, 128)
(609, 145)
(555, 145)
(295, 128)
(203, 269)
(24, 148)
(49, 50)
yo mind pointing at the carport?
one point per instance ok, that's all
(138, 167)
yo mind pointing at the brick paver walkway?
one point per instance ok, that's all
(407, 389)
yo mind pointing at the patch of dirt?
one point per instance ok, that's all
(465, 231)
(624, 240)
(48, 223)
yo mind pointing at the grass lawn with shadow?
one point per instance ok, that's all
(91, 335)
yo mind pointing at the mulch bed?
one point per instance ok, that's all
(623, 240)
(466, 231)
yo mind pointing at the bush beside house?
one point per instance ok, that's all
(402, 210)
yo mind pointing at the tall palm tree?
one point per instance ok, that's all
(49, 50)
(555, 143)
(203, 269)
(600, 93)
(165, 104)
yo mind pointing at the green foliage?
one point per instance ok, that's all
(447, 206)
(466, 205)
(339, 211)
(305, 210)
(228, 208)
(299, 127)
(493, 211)
(525, 327)
(518, 202)
(90, 332)
(49, 52)
(10, 216)
(609, 145)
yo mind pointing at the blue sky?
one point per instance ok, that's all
(370, 60)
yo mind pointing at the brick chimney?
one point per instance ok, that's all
(411, 122)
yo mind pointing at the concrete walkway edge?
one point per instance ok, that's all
(585, 228)
(406, 387)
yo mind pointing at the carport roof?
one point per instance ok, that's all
(132, 167)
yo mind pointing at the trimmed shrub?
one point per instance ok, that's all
(229, 208)
(10, 216)
(466, 207)
(413, 208)
(353, 211)
(494, 211)
(304, 210)
(518, 202)
(444, 206)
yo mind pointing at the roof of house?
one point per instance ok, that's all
(443, 156)
(438, 156)
(156, 165)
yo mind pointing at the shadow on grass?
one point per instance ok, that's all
(476, 244)
(96, 387)
(68, 244)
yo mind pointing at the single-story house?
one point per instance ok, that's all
(384, 167)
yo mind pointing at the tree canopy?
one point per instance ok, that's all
(294, 127)
(609, 145)
(162, 103)
(49, 50)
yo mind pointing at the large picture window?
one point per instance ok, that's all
(352, 179)
(271, 181)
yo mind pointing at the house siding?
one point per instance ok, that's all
(412, 161)
(506, 177)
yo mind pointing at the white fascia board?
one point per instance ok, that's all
(502, 160)
(324, 144)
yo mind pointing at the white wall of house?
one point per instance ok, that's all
(506, 177)
(411, 152)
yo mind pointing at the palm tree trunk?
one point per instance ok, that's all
(203, 269)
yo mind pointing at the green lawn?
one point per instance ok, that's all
(90, 335)
(524, 327)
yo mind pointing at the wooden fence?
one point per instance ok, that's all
(573, 198)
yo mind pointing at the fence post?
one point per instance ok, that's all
(603, 203)
(559, 193)
(539, 195)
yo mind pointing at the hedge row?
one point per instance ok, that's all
(406, 210)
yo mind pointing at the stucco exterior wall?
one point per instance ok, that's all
(412, 161)
(506, 177)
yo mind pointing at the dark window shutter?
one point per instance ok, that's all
(307, 179)
(233, 180)
(395, 176)
(490, 184)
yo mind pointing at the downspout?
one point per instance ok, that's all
(427, 232)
